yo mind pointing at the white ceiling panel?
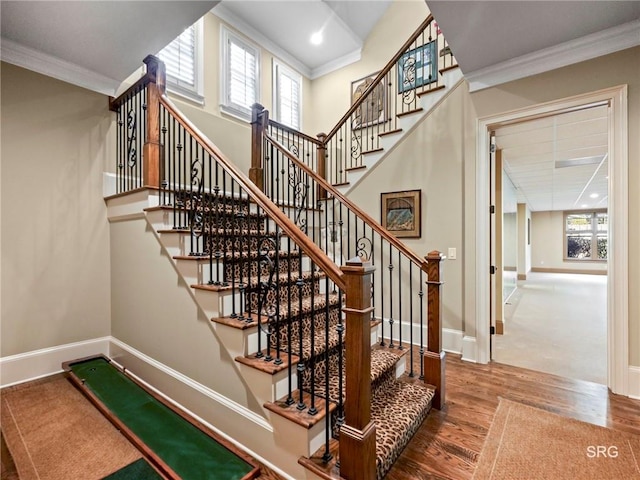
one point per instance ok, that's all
(531, 152)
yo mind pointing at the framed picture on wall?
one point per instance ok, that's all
(373, 110)
(401, 213)
(417, 67)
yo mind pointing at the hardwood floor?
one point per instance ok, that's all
(448, 443)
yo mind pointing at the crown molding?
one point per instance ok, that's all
(574, 51)
(31, 59)
(336, 64)
(247, 30)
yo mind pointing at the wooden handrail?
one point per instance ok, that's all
(303, 241)
(114, 103)
(368, 219)
(155, 73)
(295, 132)
(379, 77)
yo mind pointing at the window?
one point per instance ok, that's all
(586, 235)
(287, 95)
(183, 60)
(240, 75)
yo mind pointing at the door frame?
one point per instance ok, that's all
(618, 272)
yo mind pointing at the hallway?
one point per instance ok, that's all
(557, 323)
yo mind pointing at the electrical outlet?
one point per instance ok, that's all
(452, 254)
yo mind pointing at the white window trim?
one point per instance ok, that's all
(225, 105)
(195, 93)
(281, 67)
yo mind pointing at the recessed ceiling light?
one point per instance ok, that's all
(594, 195)
(584, 205)
(316, 38)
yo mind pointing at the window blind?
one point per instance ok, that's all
(180, 58)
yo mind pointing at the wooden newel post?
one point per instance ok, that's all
(434, 357)
(358, 433)
(152, 152)
(259, 122)
(321, 156)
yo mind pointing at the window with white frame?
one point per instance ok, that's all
(183, 61)
(586, 235)
(240, 75)
(287, 95)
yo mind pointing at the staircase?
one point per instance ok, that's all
(324, 312)
(288, 315)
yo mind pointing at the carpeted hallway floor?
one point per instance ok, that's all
(557, 323)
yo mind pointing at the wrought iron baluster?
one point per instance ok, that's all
(312, 367)
(421, 296)
(391, 345)
(290, 400)
(301, 367)
(400, 346)
(411, 318)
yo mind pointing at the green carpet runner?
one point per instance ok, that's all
(138, 470)
(190, 452)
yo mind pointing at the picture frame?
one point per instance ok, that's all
(418, 67)
(401, 213)
(370, 112)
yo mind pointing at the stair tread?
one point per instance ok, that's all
(221, 232)
(251, 319)
(381, 361)
(431, 90)
(397, 414)
(220, 208)
(233, 256)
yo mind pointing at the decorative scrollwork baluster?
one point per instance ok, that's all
(132, 154)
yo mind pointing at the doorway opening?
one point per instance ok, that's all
(550, 193)
(615, 100)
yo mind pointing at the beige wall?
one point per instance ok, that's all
(55, 238)
(547, 239)
(153, 312)
(436, 168)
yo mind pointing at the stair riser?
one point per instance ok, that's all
(199, 272)
(255, 299)
(244, 268)
(217, 304)
(319, 323)
(181, 219)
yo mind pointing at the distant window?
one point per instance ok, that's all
(240, 75)
(586, 235)
(287, 95)
(183, 60)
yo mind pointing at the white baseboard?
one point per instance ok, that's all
(28, 366)
(452, 340)
(469, 349)
(634, 382)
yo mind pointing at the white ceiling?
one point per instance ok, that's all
(94, 44)
(494, 40)
(558, 162)
(287, 26)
